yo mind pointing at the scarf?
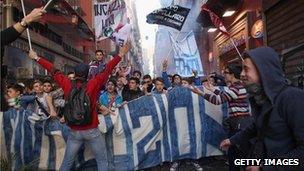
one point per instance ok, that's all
(257, 92)
(14, 102)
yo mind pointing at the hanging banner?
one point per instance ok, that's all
(173, 16)
(121, 35)
(186, 56)
(108, 16)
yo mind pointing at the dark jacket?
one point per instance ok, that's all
(284, 133)
(7, 36)
(96, 67)
(128, 95)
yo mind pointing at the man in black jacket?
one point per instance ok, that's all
(9, 35)
(278, 109)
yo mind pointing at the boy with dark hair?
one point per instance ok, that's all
(176, 79)
(137, 74)
(121, 84)
(71, 75)
(16, 114)
(186, 81)
(148, 85)
(47, 86)
(97, 65)
(13, 93)
(132, 91)
(159, 86)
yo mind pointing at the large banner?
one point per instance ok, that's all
(173, 16)
(186, 56)
(143, 133)
(109, 17)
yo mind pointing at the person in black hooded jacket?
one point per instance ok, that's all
(9, 35)
(278, 109)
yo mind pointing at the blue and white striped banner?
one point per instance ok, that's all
(143, 133)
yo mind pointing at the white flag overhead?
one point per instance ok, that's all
(121, 36)
(108, 16)
(186, 56)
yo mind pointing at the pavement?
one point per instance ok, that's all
(215, 163)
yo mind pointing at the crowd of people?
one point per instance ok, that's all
(265, 113)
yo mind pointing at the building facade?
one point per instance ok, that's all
(135, 55)
(284, 23)
(62, 37)
(245, 28)
(274, 23)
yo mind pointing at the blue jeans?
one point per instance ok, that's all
(94, 139)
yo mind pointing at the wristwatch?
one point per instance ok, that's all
(23, 23)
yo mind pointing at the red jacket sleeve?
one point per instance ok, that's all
(94, 85)
(63, 81)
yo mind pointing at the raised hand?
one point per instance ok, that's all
(165, 65)
(33, 55)
(194, 72)
(129, 63)
(124, 49)
(145, 88)
(34, 16)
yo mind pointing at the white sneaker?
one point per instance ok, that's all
(174, 166)
(197, 166)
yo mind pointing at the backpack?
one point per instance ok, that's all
(77, 110)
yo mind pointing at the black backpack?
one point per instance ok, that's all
(77, 110)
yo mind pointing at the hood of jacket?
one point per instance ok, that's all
(268, 64)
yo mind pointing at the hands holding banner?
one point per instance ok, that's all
(208, 85)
